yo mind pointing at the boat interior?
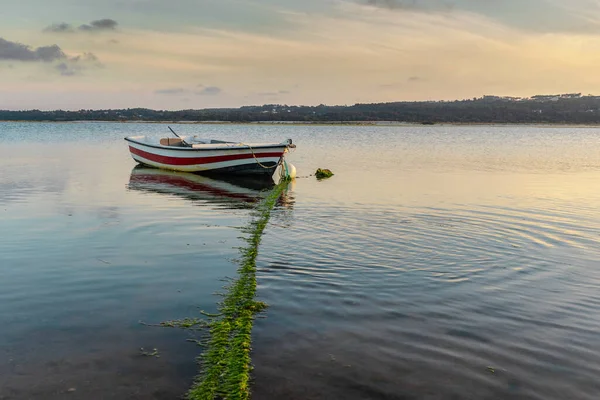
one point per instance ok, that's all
(195, 142)
(178, 142)
(175, 142)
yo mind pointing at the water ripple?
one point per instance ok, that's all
(502, 297)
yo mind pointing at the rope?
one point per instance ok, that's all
(283, 172)
(256, 159)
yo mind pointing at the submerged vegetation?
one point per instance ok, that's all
(147, 353)
(323, 173)
(225, 363)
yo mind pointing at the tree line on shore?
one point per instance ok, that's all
(559, 109)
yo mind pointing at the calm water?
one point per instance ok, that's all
(438, 263)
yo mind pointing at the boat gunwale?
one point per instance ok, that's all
(244, 147)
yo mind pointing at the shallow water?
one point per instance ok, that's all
(438, 263)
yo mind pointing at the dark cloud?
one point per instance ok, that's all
(63, 27)
(65, 69)
(105, 24)
(171, 91)
(75, 65)
(87, 58)
(64, 65)
(98, 25)
(209, 91)
(49, 53)
(20, 52)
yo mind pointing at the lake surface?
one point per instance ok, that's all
(440, 262)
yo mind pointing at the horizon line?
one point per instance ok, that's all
(571, 95)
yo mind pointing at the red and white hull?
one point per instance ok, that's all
(213, 157)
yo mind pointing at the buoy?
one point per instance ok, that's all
(287, 171)
(291, 170)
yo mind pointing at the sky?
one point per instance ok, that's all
(183, 54)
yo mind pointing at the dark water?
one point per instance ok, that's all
(438, 263)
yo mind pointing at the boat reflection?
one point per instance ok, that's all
(230, 192)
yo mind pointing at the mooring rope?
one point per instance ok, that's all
(258, 162)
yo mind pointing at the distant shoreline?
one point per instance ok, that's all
(322, 123)
(570, 109)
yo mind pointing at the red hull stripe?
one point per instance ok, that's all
(198, 160)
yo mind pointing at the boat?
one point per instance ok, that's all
(193, 154)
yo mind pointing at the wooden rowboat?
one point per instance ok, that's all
(191, 154)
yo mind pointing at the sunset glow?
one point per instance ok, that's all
(197, 54)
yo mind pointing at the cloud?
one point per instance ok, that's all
(169, 91)
(65, 69)
(205, 91)
(75, 65)
(414, 78)
(62, 27)
(87, 58)
(384, 3)
(411, 4)
(271, 94)
(547, 16)
(105, 24)
(209, 91)
(349, 53)
(64, 65)
(20, 52)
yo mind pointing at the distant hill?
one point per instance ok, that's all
(571, 108)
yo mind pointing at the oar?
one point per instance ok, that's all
(183, 141)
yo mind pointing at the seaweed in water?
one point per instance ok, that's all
(225, 363)
(323, 173)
